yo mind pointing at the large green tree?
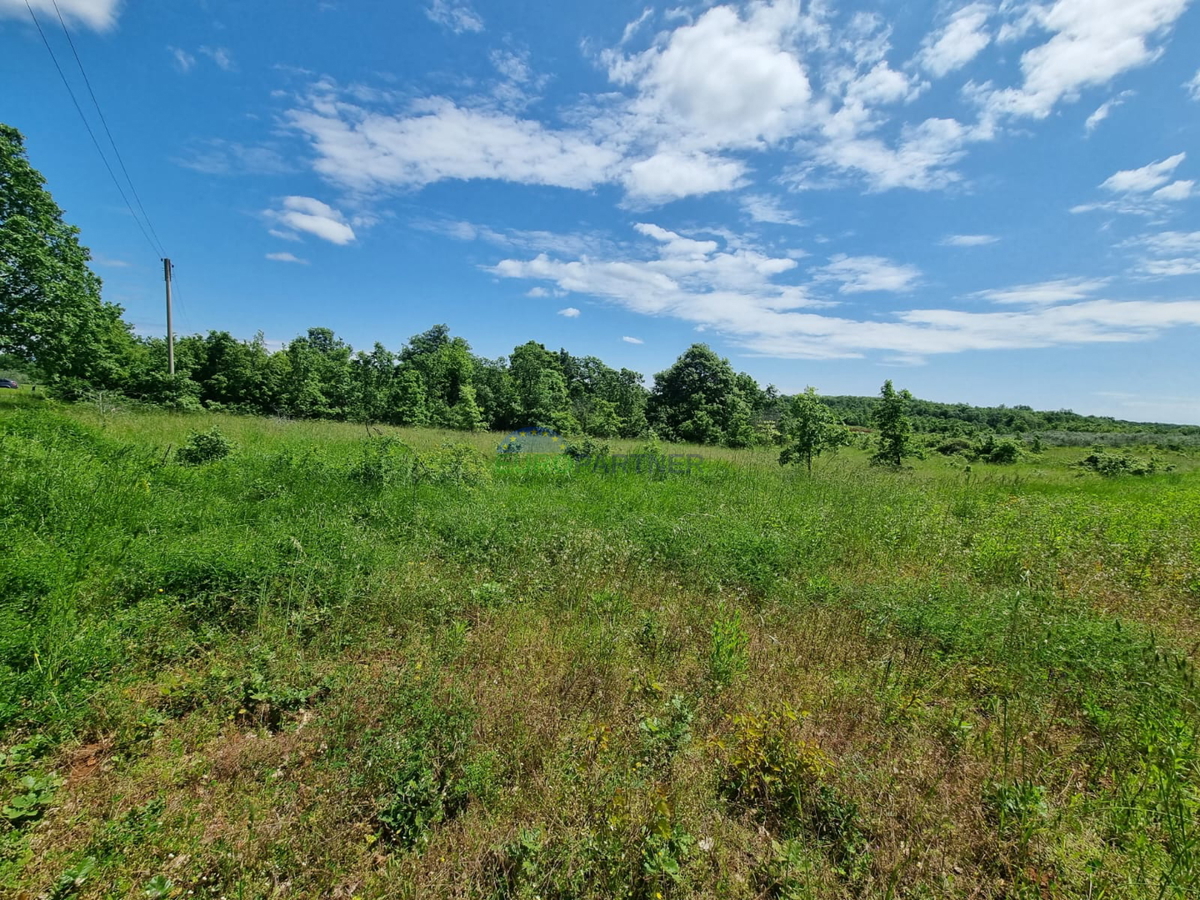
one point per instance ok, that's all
(51, 313)
(699, 400)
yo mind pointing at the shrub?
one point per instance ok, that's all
(999, 452)
(1110, 465)
(455, 464)
(784, 782)
(588, 448)
(204, 447)
(384, 460)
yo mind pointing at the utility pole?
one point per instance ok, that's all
(170, 331)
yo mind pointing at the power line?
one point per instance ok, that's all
(91, 134)
(96, 103)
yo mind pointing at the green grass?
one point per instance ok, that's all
(337, 663)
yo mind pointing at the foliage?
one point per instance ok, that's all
(697, 400)
(35, 793)
(895, 430)
(728, 653)
(205, 447)
(588, 448)
(51, 314)
(1110, 465)
(810, 429)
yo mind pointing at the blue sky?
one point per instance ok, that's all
(992, 203)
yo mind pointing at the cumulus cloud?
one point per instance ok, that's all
(99, 15)
(969, 240)
(670, 176)
(569, 312)
(724, 80)
(287, 258)
(1091, 43)
(632, 340)
(305, 214)
(455, 15)
(958, 42)
(693, 103)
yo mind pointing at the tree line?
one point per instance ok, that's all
(55, 325)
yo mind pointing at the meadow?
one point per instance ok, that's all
(352, 662)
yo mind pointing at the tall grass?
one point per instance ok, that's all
(338, 662)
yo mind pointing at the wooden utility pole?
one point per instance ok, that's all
(170, 331)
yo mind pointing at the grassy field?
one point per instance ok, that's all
(336, 665)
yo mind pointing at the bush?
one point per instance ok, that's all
(204, 447)
(1002, 452)
(455, 464)
(1110, 465)
(588, 448)
(384, 460)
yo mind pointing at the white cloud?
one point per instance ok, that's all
(670, 176)
(859, 274)
(969, 240)
(1144, 179)
(1176, 190)
(736, 292)
(313, 217)
(632, 340)
(1092, 42)
(921, 160)
(537, 292)
(1169, 253)
(958, 42)
(1046, 293)
(184, 61)
(287, 258)
(439, 140)
(765, 208)
(1147, 191)
(456, 15)
(220, 56)
(1104, 109)
(222, 157)
(722, 81)
(1193, 86)
(99, 15)
(569, 312)
(633, 27)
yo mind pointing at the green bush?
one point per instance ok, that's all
(204, 447)
(1110, 465)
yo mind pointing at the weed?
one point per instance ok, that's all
(71, 880)
(728, 656)
(35, 794)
